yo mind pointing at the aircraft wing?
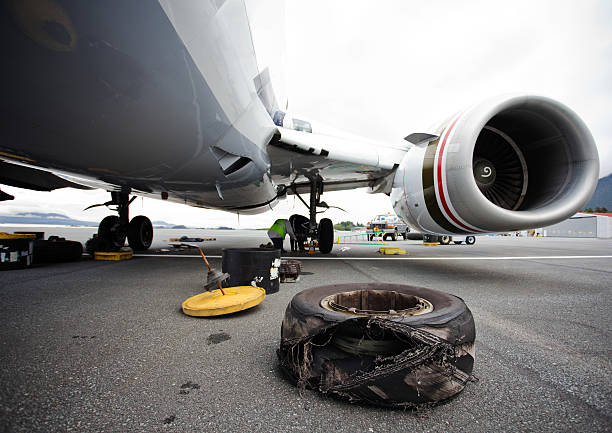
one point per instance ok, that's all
(341, 162)
(22, 176)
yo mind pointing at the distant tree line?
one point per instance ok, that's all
(596, 210)
(346, 225)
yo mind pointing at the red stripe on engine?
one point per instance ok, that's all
(440, 184)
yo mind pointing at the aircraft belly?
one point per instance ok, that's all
(110, 91)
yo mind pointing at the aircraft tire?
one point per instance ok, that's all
(140, 233)
(56, 251)
(326, 235)
(445, 240)
(470, 240)
(347, 355)
(110, 234)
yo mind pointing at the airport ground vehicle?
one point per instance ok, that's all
(445, 240)
(387, 226)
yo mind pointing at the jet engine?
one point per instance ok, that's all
(509, 163)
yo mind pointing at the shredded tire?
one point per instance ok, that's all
(394, 360)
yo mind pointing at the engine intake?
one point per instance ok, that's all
(509, 163)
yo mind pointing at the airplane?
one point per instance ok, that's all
(169, 99)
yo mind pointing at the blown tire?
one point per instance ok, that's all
(416, 347)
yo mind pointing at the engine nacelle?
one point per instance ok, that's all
(509, 163)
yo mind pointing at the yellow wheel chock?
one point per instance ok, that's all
(391, 251)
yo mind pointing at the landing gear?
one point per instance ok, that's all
(323, 232)
(470, 240)
(113, 230)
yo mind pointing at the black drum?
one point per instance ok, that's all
(253, 267)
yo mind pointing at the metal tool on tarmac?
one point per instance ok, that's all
(214, 277)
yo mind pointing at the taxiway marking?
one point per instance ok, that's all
(401, 258)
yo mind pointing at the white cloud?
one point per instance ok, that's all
(385, 69)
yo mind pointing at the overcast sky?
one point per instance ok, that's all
(388, 68)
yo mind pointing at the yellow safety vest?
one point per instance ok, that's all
(279, 227)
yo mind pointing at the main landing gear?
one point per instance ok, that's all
(114, 229)
(323, 232)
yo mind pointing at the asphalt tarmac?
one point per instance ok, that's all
(104, 346)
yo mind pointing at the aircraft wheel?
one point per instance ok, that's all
(140, 233)
(405, 235)
(326, 235)
(470, 240)
(110, 233)
(394, 236)
(445, 240)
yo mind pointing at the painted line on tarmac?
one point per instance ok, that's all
(400, 258)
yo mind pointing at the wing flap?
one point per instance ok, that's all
(336, 148)
(342, 162)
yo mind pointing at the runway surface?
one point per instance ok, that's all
(104, 346)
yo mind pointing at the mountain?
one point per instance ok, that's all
(161, 224)
(603, 194)
(44, 219)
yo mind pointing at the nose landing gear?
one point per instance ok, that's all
(113, 230)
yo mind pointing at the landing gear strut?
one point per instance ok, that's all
(113, 229)
(323, 232)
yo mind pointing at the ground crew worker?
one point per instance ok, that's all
(278, 231)
(299, 224)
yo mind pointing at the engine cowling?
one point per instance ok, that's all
(509, 163)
